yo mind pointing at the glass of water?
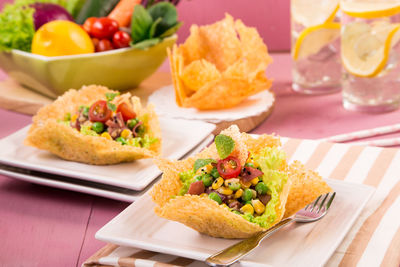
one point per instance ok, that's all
(370, 55)
(315, 37)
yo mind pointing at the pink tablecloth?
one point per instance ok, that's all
(42, 226)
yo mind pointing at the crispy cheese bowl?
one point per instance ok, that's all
(238, 195)
(70, 129)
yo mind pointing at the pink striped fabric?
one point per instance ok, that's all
(373, 240)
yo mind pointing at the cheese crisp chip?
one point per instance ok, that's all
(291, 187)
(219, 65)
(51, 132)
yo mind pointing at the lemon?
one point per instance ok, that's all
(313, 12)
(370, 10)
(365, 47)
(61, 38)
(312, 39)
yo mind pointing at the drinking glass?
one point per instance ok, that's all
(315, 37)
(370, 55)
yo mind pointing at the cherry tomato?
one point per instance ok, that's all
(99, 111)
(104, 45)
(104, 28)
(95, 42)
(126, 112)
(87, 26)
(121, 39)
(229, 168)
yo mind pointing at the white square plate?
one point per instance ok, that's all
(82, 186)
(178, 138)
(308, 244)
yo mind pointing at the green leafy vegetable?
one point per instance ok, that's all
(171, 30)
(74, 6)
(111, 106)
(225, 145)
(140, 24)
(199, 163)
(167, 12)
(153, 27)
(147, 43)
(111, 96)
(95, 8)
(16, 24)
(186, 178)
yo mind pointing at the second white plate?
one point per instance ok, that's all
(179, 137)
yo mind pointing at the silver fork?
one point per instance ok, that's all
(311, 213)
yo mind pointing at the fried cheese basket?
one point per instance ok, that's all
(47, 133)
(298, 188)
(219, 65)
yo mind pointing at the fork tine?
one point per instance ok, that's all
(330, 200)
(315, 203)
(322, 203)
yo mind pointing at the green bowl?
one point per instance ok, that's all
(119, 69)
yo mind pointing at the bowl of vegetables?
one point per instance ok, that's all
(52, 47)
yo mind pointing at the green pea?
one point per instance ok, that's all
(249, 164)
(85, 111)
(198, 177)
(214, 173)
(247, 195)
(98, 127)
(261, 188)
(132, 123)
(140, 129)
(234, 186)
(121, 140)
(214, 196)
(207, 180)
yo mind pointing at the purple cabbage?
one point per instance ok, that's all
(46, 12)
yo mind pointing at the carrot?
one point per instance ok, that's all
(122, 12)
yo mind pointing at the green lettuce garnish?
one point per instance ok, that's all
(87, 130)
(225, 145)
(199, 163)
(186, 178)
(270, 160)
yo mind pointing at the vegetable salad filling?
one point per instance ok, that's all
(250, 190)
(104, 119)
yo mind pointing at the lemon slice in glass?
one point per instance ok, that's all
(370, 10)
(312, 39)
(313, 12)
(365, 48)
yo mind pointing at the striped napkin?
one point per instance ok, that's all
(374, 238)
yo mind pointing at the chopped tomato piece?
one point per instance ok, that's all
(229, 168)
(99, 111)
(126, 111)
(196, 188)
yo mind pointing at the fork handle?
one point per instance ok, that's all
(237, 251)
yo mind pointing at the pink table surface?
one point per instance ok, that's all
(41, 226)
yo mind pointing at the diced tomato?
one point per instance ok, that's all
(126, 111)
(99, 112)
(229, 168)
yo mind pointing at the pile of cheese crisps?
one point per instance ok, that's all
(219, 65)
(291, 187)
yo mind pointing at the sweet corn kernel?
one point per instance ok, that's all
(74, 117)
(244, 184)
(204, 195)
(205, 169)
(106, 135)
(239, 193)
(126, 133)
(247, 209)
(255, 181)
(217, 183)
(225, 190)
(231, 181)
(258, 206)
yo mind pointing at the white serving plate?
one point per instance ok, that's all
(82, 186)
(179, 137)
(295, 245)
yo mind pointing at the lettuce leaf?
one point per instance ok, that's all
(186, 178)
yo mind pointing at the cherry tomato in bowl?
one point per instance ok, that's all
(104, 45)
(121, 39)
(99, 111)
(104, 28)
(229, 167)
(87, 26)
(126, 112)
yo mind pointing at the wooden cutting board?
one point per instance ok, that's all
(18, 98)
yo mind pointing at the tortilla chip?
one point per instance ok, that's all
(201, 213)
(220, 65)
(307, 185)
(48, 134)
